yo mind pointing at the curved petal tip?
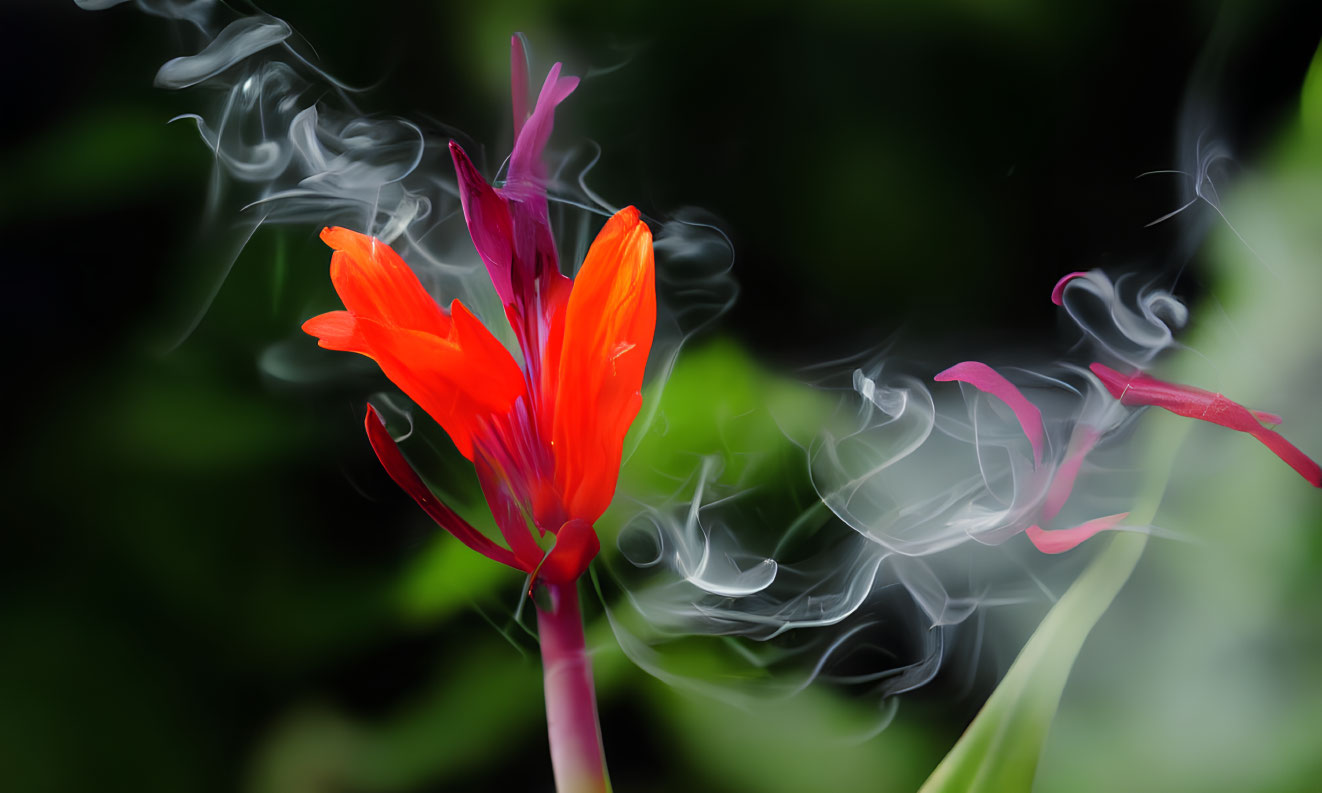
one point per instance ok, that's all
(986, 379)
(1058, 291)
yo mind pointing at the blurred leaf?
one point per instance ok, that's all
(718, 401)
(102, 154)
(446, 576)
(480, 699)
(189, 417)
(1000, 750)
(1311, 99)
(814, 740)
(724, 418)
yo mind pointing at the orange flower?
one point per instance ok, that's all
(545, 437)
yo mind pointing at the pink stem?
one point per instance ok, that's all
(571, 703)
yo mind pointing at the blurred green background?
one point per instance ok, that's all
(208, 584)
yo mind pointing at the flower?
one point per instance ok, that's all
(545, 435)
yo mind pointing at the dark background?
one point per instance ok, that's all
(198, 558)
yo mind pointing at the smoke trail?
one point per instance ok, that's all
(924, 489)
(292, 146)
(1134, 330)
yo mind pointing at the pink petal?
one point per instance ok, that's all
(527, 174)
(1058, 291)
(518, 82)
(1062, 540)
(489, 223)
(387, 451)
(535, 255)
(1062, 484)
(1291, 454)
(1141, 390)
(509, 518)
(984, 378)
(511, 226)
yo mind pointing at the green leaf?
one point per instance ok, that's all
(1310, 103)
(718, 402)
(1000, 750)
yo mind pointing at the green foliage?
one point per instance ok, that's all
(719, 402)
(836, 743)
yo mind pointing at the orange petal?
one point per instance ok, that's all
(608, 329)
(450, 365)
(374, 282)
(335, 330)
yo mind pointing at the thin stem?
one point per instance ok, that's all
(571, 702)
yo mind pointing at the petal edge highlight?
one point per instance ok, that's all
(609, 323)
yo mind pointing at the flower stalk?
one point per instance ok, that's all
(577, 756)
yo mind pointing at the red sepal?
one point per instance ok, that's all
(387, 451)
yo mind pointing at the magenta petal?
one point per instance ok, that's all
(1221, 410)
(576, 545)
(1142, 390)
(1115, 383)
(510, 226)
(1058, 291)
(535, 255)
(1062, 540)
(984, 378)
(387, 451)
(1139, 390)
(518, 82)
(509, 518)
(1062, 484)
(1291, 454)
(488, 221)
(527, 174)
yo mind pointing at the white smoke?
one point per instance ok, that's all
(925, 489)
(293, 146)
